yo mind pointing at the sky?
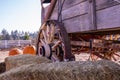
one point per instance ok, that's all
(21, 15)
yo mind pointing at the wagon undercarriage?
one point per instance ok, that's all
(98, 46)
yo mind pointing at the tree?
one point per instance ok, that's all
(26, 37)
(15, 35)
(0, 37)
(5, 35)
(4, 32)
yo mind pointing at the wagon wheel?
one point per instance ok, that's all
(93, 57)
(53, 42)
(112, 55)
(109, 55)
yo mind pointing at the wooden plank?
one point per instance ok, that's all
(86, 44)
(76, 10)
(54, 15)
(70, 3)
(46, 9)
(73, 8)
(92, 14)
(102, 4)
(77, 24)
(78, 7)
(67, 4)
(80, 43)
(97, 43)
(76, 18)
(109, 18)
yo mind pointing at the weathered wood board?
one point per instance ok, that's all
(109, 17)
(76, 15)
(77, 24)
(76, 10)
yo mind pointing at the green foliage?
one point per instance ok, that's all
(5, 35)
(0, 37)
(17, 35)
(26, 37)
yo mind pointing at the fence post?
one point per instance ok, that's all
(5, 43)
(18, 42)
(30, 42)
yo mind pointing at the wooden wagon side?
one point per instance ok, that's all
(85, 16)
(89, 20)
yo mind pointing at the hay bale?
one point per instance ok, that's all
(2, 67)
(100, 70)
(18, 60)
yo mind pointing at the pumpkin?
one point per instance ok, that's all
(30, 49)
(15, 51)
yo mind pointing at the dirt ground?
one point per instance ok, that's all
(3, 55)
(79, 57)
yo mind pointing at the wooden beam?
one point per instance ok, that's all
(92, 15)
(50, 10)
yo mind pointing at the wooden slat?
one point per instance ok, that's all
(75, 10)
(86, 44)
(97, 43)
(54, 15)
(76, 18)
(67, 4)
(77, 24)
(71, 3)
(109, 18)
(77, 7)
(80, 43)
(102, 4)
(92, 15)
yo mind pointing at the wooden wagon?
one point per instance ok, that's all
(78, 26)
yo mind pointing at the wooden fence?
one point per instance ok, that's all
(13, 43)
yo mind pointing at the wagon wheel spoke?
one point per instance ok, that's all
(93, 57)
(52, 32)
(48, 33)
(115, 56)
(45, 36)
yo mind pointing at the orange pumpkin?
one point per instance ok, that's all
(15, 51)
(30, 49)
